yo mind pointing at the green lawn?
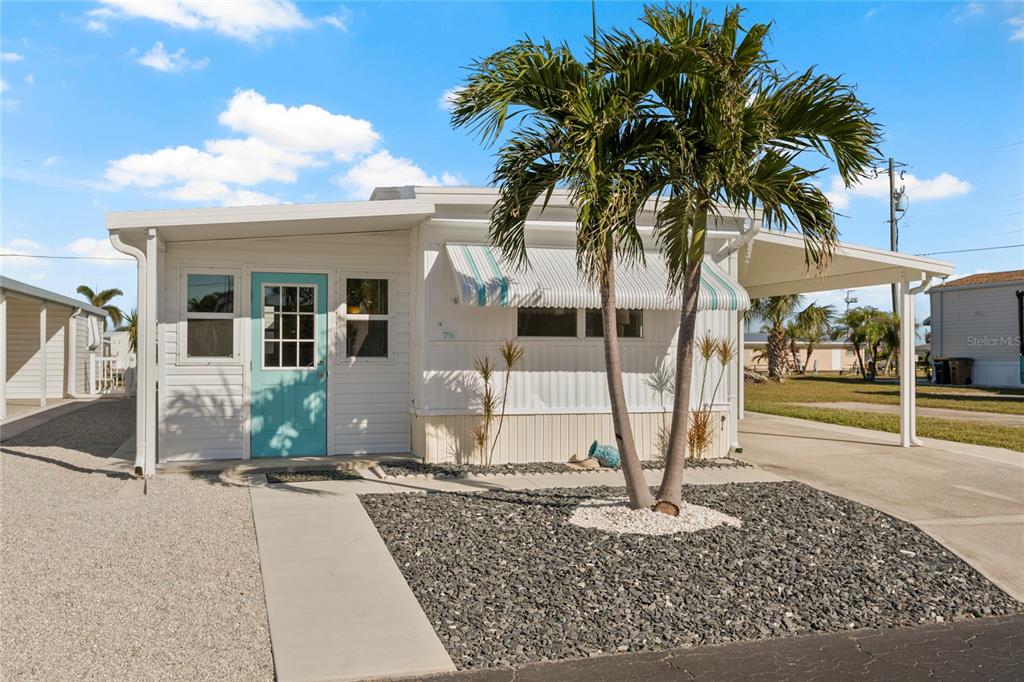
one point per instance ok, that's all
(782, 399)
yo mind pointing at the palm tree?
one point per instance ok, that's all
(102, 300)
(814, 323)
(733, 132)
(774, 311)
(854, 326)
(578, 126)
(131, 325)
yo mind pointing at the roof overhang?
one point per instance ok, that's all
(774, 264)
(23, 290)
(254, 222)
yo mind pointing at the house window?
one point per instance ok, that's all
(546, 322)
(289, 326)
(367, 320)
(210, 315)
(630, 323)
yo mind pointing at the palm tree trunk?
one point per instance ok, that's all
(860, 361)
(671, 490)
(810, 349)
(636, 485)
(776, 353)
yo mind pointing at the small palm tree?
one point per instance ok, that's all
(814, 323)
(102, 300)
(774, 311)
(854, 327)
(131, 325)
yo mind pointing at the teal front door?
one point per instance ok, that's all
(289, 364)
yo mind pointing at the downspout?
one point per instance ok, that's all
(143, 467)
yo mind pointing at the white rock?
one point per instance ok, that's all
(615, 516)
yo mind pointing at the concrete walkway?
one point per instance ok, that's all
(338, 605)
(939, 412)
(968, 497)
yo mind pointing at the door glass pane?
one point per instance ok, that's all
(289, 328)
(629, 323)
(367, 338)
(306, 354)
(547, 322)
(306, 326)
(306, 299)
(288, 354)
(210, 338)
(289, 299)
(211, 293)
(272, 297)
(271, 326)
(367, 296)
(272, 354)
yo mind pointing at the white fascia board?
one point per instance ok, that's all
(940, 268)
(126, 220)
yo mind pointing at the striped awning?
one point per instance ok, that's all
(552, 281)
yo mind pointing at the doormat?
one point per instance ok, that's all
(312, 475)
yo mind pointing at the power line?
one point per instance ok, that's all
(987, 248)
(30, 255)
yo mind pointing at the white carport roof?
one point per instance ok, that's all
(773, 264)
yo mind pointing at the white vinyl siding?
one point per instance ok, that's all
(205, 405)
(22, 344)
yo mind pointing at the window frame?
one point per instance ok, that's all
(581, 329)
(316, 329)
(183, 358)
(344, 317)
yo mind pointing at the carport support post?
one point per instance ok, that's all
(42, 354)
(908, 374)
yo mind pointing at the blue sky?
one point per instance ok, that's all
(132, 105)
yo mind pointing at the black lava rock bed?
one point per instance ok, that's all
(506, 581)
(451, 470)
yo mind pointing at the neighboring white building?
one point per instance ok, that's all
(350, 328)
(978, 317)
(49, 342)
(117, 345)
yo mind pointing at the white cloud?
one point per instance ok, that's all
(968, 11)
(51, 161)
(4, 87)
(170, 62)
(90, 247)
(384, 170)
(1018, 30)
(942, 186)
(306, 128)
(870, 13)
(447, 99)
(243, 19)
(30, 79)
(10, 57)
(209, 190)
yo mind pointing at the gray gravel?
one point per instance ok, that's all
(453, 470)
(505, 580)
(100, 582)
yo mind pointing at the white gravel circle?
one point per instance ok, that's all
(615, 516)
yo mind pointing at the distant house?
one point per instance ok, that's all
(826, 356)
(977, 317)
(49, 342)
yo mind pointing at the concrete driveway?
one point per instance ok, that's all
(968, 497)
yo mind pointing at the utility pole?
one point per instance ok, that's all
(894, 239)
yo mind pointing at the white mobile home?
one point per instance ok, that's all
(50, 343)
(978, 317)
(352, 328)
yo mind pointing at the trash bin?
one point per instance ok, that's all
(960, 371)
(940, 371)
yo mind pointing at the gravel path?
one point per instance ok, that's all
(505, 580)
(101, 582)
(452, 470)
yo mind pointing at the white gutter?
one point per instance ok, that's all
(731, 247)
(145, 461)
(924, 286)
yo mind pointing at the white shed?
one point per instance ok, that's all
(49, 341)
(978, 317)
(352, 328)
